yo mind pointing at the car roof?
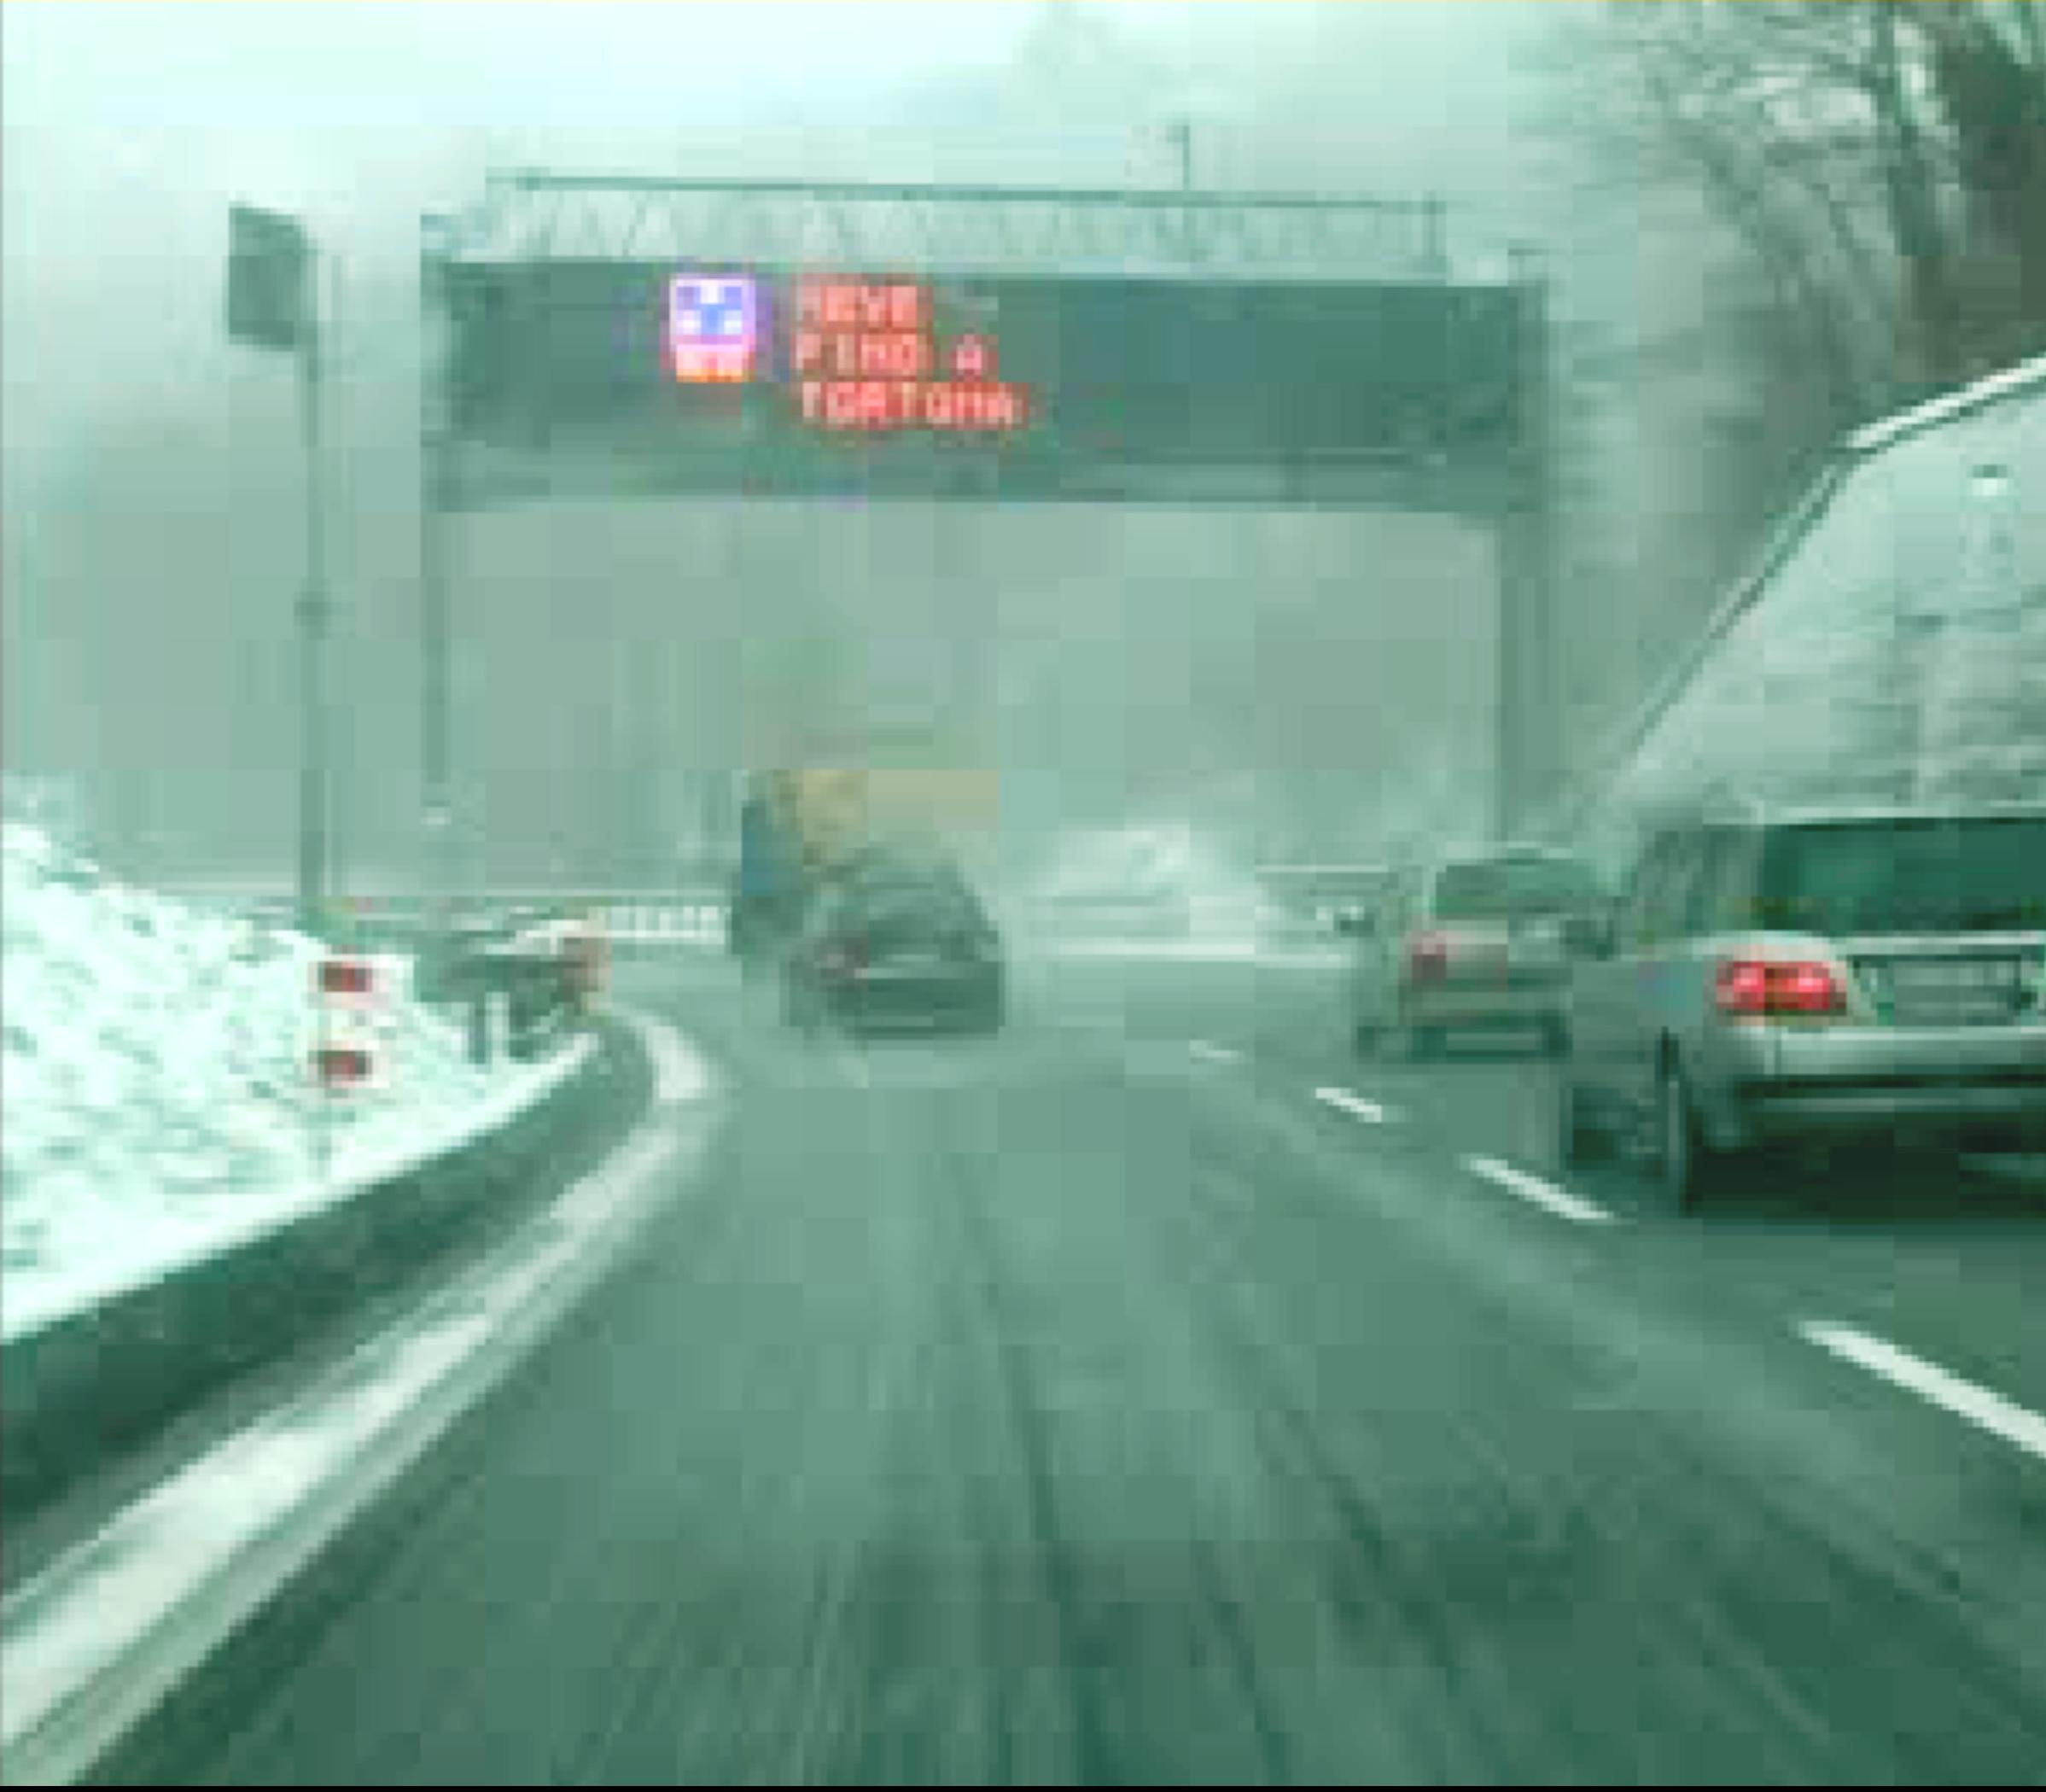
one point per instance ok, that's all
(1370, 868)
(1512, 853)
(1724, 813)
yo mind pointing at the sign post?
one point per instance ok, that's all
(351, 1043)
(273, 303)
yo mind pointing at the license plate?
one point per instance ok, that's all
(1964, 977)
(901, 963)
(1962, 991)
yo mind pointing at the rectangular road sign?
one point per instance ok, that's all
(266, 278)
(640, 378)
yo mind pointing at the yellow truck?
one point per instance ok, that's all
(799, 825)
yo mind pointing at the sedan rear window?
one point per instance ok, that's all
(891, 909)
(1964, 875)
(1494, 889)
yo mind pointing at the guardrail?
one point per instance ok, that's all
(82, 1392)
(642, 925)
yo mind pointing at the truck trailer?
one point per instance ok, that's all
(798, 826)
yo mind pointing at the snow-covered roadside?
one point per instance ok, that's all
(157, 1107)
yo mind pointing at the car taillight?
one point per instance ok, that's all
(1756, 988)
(1427, 957)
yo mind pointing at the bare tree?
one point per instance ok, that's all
(1882, 159)
(1988, 66)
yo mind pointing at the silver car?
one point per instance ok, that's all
(1843, 976)
(1482, 941)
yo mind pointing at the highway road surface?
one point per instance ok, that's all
(1159, 1393)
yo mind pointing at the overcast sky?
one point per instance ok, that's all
(151, 472)
(129, 128)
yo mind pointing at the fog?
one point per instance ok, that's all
(1315, 681)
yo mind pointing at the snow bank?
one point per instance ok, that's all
(158, 1106)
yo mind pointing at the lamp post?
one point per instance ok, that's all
(273, 303)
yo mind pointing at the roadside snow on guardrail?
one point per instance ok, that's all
(158, 1104)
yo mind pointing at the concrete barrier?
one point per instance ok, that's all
(85, 1390)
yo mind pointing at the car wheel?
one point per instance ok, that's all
(1423, 1044)
(1555, 1036)
(1580, 1137)
(1688, 1165)
(1367, 1038)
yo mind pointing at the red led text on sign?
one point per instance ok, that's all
(859, 305)
(973, 358)
(913, 404)
(864, 357)
(849, 356)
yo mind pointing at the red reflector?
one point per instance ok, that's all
(344, 977)
(1757, 988)
(343, 1064)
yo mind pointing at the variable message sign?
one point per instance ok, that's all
(637, 376)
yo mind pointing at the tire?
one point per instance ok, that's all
(1424, 1044)
(1689, 1169)
(1366, 1039)
(1580, 1139)
(799, 1007)
(1555, 1037)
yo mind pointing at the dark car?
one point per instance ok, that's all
(896, 943)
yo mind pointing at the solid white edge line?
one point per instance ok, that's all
(92, 1645)
(1991, 1412)
(1559, 1201)
(680, 1072)
(1350, 1102)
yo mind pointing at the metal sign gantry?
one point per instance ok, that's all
(530, 216)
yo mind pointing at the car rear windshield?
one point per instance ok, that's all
(1967, 875)
(889, 910)
(1495, 889)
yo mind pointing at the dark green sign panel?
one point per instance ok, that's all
(266, 284)
(664, 378)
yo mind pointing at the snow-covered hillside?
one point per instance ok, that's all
(157, 1098)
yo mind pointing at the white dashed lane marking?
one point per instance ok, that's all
(1352, 1103)
(2014, 1423)
(1559, 1201)
(1214, 1053)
